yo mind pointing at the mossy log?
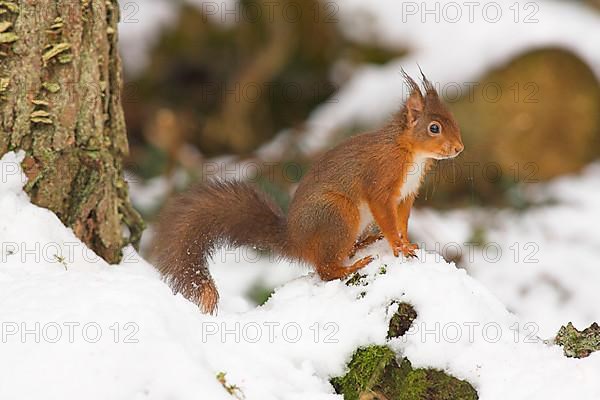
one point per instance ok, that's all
(60, 101)
(375, 372)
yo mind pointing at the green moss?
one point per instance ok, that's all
(374, 372)
(365, 371)
(432, 384)
(357, 279)
(478, 236)
(92, 180)
(259, 293)
(579, 344)
(233, 390)
(401, 320)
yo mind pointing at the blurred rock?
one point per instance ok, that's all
(594, 3)
(530, 120)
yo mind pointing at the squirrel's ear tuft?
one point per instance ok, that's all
(412, 85)
(427, 85)
(414, 104)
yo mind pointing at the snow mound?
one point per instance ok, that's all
(542, 262)
(75, 327)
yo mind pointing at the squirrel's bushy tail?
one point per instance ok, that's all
(194, 224)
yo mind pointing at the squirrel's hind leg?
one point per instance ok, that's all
(329, 272)
(334, 241)
(365, 241)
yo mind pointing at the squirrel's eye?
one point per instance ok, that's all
(434, 128)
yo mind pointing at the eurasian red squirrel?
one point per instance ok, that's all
(371, 176)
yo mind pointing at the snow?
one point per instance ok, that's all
(285, 349)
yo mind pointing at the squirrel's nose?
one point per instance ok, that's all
(459, 148)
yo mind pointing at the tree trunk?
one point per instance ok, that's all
(60, 101)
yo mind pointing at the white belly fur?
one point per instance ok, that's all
(366, 217)
(411, 185)
(414, 175)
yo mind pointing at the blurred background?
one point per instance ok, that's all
(256, 89)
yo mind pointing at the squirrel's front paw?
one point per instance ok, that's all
(406, 248)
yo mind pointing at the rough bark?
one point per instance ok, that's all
(60, 101)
